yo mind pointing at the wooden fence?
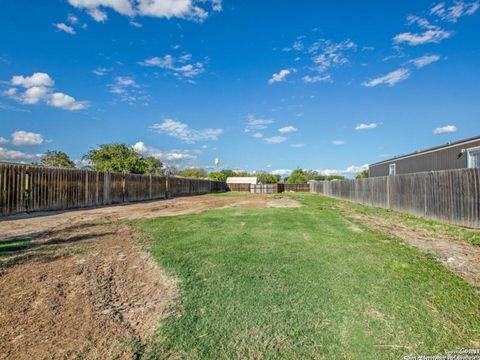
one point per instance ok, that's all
(26, 188)
(451, 196)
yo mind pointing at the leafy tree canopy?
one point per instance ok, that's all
(57, 159)
(196, 173)
(266, 178)
(119, 157)
(300, 176)
(362, 174)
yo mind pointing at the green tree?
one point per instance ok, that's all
(221, 175)
(153, 166)
(57, 159)
(266, 178)
(298, 176)
(119, 157)
(362, 174)
(195, 173)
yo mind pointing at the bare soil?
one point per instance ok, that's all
(85, 288)
(459, 256)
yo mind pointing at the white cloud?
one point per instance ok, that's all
(184, 9)
(178, 158)
(101, 71)
(456, 11)
(13, 155)
(39, 88)
(275, 139)
(180, 67)
(288, 129)
(422, 61)
(338, 142)
(281, 172)
(66, 28)
(366, 126)
(280, 76)
(34, 94)
(297, 145)
(254, 124)
(316, 78)
(97, 14)
(390, 79)
(184, 133)
(431, 33)
(3, 140)
(127, 90)
(25, 138)
(257, 135)
(351, 170)
(445, 129)
(37, 79)
(65, 102)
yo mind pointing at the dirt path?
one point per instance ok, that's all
(459, 256)
(84, 288)
(34, 224)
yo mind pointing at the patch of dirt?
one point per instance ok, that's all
(84, 288)
(34, 224)
(459, 256)
(87, 304)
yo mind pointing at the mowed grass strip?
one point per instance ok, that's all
(299, 283)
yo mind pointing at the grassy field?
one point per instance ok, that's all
(303, 283)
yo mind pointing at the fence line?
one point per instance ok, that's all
(25, 188)
(451, 196)
(269, 188)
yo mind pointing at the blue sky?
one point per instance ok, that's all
(262, 85)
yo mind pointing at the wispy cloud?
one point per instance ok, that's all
(423, 61)
(430, 34)
(323, 55)
(281, 172)
(127, 90)
(288, 129)
(181, 67)
(456, 11)
(101, 71)
(339, 142)
(66, 28)
(254, 123)
(184, 133)
(275, 139)
(186, 9)
(445, 129)
(363, 126)
(281, 76)
(390, 79)
(297, 146)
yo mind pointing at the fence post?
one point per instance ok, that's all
(388, 192)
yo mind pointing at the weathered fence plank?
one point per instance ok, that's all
(451, 196)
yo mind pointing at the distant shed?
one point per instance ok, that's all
(242, 180)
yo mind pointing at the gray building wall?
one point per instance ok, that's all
(436, 159)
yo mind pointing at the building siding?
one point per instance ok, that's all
(440, 159)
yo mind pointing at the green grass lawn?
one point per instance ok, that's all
(303, 283)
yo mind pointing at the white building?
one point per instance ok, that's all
(242, 180)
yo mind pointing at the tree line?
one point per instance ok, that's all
(118, 157)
